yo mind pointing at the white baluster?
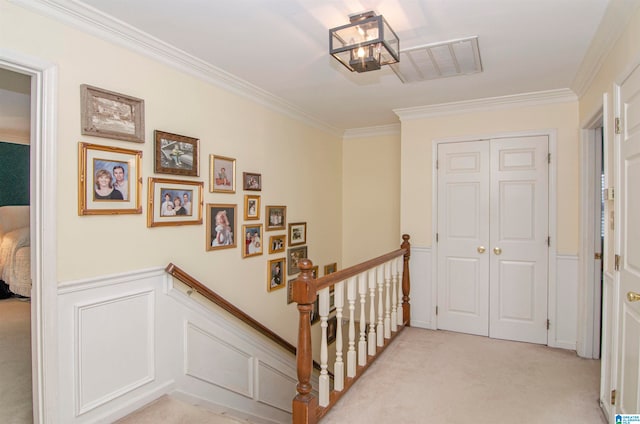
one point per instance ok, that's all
(338, 368)
(394, 295)
(323, 388)
(371, 277)
(380, 284)
(362, 343)
(387, 300)
(351, 352)
(400, 264)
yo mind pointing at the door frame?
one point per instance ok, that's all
(552, 193)
(44, 345)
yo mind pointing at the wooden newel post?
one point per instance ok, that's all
(406, 282)
(304, 293)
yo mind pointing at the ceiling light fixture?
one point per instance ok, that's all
(365, 44)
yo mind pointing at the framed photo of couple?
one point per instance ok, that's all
(174, 202)
(109, 180)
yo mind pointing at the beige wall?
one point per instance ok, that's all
(417, 140)
(301, 168)
(371, 197)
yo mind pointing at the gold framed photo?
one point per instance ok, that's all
(176, 154)
(252, 234)
(222, 178)
(109, 180)
(297, 233)
(251, 207)
(295, 255)
(275, 274)
(221, 226)
(111, 115)
(174, 202)
(330, 268)
(277, 243)
(276, 217)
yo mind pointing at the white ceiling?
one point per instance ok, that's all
(281, 46)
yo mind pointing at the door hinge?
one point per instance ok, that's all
(616, 263)
(436, 237)
(549, 241)
(436, 309)
(617, 126)
(437, 164)
(548, 324)
(613, 397)
(597, 256)
(548, 157)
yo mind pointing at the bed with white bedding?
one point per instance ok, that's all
(15, 249)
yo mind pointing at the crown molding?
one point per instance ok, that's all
(92, 21)
(380, 130)
(489, 103)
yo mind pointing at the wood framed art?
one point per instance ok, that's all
(174, 202)
(176, 154)
(314, 316)
(332, 329)
(297, 233)
(294, 255)
(111, 115)
(221, 226)
(276, 217)
(109, 180)
(252, 240)
(314, 271)
(251, 207)
(331, 268)
(251, 181)
(290, 290)
(222, 178)
(277, 243)
(275, 274)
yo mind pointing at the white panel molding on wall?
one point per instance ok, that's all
(422, 295)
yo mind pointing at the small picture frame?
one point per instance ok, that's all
(332, 329)
(109, 180)
(252, 235)
(314, 316)
(251, 181)
(112, 115)
(174, 202)
(332, 299)
(176, 154)
(251, 207)
(277, 243)
(275, 274)
(330, 268)
(276, 217)
(295, 255)
(314, 272)
(221, 226)
(297, 233)
(290, 291)
(222, 174)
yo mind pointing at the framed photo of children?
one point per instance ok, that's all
(277, 243)
(221, 226)
(276, 217)
(223, 174)
(297, 233)
(109, 180)
(251, 207)
(111, 115)
(176, 154)
(295, 255)
(252, 181)
(252, 240)
(275, 274)
(174, 202)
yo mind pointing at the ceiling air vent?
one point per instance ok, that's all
(439, 60)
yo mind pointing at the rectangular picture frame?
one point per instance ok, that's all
(332, 329)
(275, 217)
(221, 226)
(222, 174)
(277, 243)
(109, 180)
(330, 268)
(294, 255)
(112, 115)
(252, 236)
(252, 181)
(297, 233)
(275, 274)
(290, 290)
(176, 154)
(164, 210)
(251, 207)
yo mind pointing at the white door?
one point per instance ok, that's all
(628, 399)
(492, 238)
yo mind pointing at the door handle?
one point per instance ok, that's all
(633, 297)
(497, 250)
(481, 249)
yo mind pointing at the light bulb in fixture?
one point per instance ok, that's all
(360, 52)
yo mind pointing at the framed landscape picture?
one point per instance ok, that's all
(176, 154)
(174, 202)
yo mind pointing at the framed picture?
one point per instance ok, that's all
(221, 226)
(174, 202)
(314, 271)
(251, 207)
(332, 299)
(314, 316)
(276, 217)
(290, 291)
(111, 115)
(252, 240)
(331, 268)
(109, 180)
(251, 181)
(277, 243)
(297, 233)
(176, 154)
(294, 256)
(332, 328)
(275, 273)
(223, 174)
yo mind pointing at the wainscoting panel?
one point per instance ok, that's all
(563, 304)
(273, 385)
(422, 296)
